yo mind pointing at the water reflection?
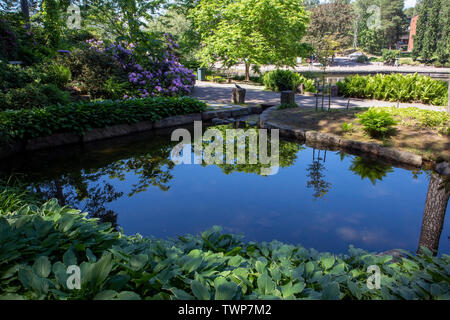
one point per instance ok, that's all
(316, 175)
(135, 184)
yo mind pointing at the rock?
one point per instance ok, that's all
(443, 168)
(54, 140)
(238, 95)
(208, 115)
(255, 109)
(141, 126)
(287, 97)
(177, 120)
(265, 106)
(108, 132)
(239, 112)
(325, 138)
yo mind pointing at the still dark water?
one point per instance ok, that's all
(326, 200)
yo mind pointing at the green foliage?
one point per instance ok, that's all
(115, 89)
(389, 56)
(34, 95)
(79, 118)
(91, 70)
(268, 32)
(370, 169)
(56, 74)
(348, 127)
(281, 80)
(377, 122)
(14, 76)
(396, 87)
(439, 120)
(212, 265)
(362, 59)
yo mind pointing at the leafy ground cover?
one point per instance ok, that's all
(396, 87)
(79, 118)
(39, 242)
(424, 132)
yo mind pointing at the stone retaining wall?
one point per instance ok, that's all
(311, 136)
(95, 134)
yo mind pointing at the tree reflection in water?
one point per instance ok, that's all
(316, 175)
(370, 169)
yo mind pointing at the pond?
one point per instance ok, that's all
(320, 199)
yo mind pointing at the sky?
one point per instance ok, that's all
(410, 3)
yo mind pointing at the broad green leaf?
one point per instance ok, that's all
(226, 291)
(265, 284)
(42, 267)
(200, 291)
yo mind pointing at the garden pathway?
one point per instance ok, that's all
(220, 95)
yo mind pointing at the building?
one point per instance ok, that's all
(412, 32)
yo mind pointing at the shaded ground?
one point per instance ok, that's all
(423, 141)
(221, 93)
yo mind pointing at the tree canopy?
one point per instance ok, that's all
(250, 31)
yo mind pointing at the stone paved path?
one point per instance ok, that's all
(219, 96)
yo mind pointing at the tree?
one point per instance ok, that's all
(434, 212)
(393, 21)
(121, 18)
(431, 33)
(421, 27)
(443, 44)
(252, 32)
(330, 28)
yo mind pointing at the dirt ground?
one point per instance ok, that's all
(423, 141)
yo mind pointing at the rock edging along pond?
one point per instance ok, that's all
(110, 131)
(332, 140)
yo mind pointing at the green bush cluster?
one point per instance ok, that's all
(37, 86)
(212, 265)
(377, 122)
(396, 87)
(281, 80)
(91, 69)
(33, 95)
(79, 118)
(389, 56)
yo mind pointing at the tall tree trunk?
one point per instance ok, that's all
(25, 12)
(434, 213)
(247, 71)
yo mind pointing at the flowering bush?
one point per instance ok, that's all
(156, 73)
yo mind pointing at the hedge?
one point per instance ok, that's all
(78, 118)
(39, 243)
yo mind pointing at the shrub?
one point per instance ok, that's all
(389, 56)
(15, 76)
(34, 95)
(347, 127)
(56, 74)
(281, 80)
(150, 73)
(91, 69)
(212, 265)
(362, 59)
(396, 87)
(377, 122)
(79, 118)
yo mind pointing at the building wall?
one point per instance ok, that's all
(412, 32)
